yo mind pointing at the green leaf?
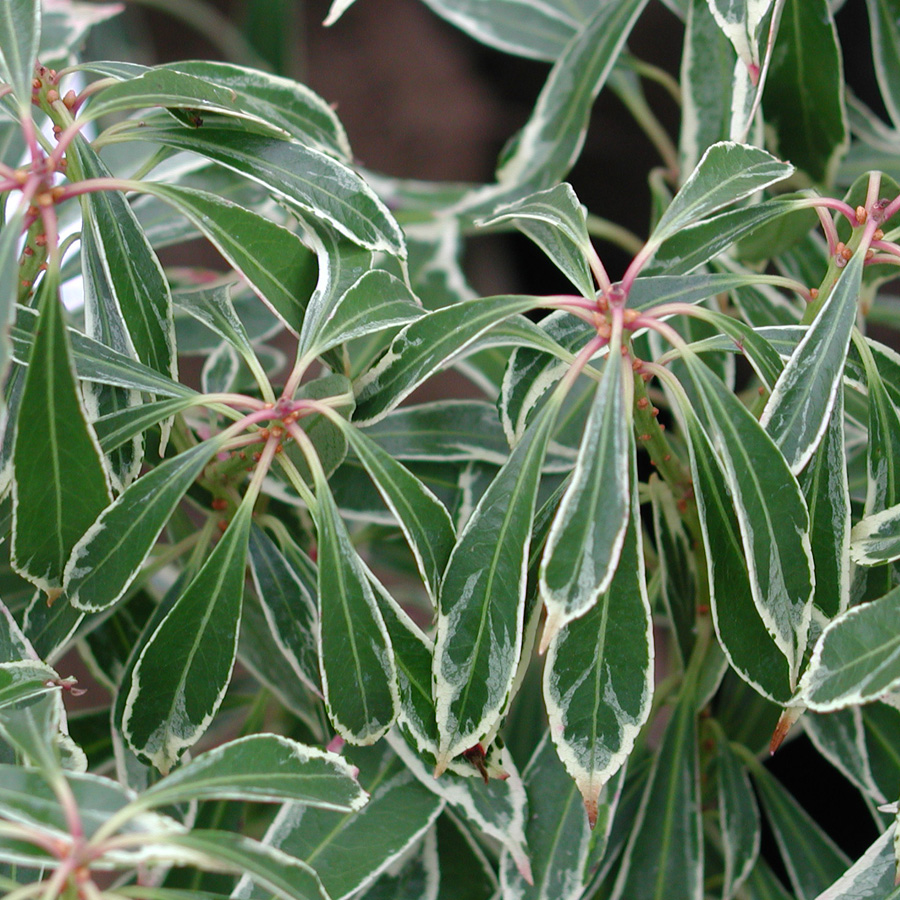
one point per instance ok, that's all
(305, 178)
(771, 513)
(804, 93)
(9, 284)
(273, 260)
(588, 531)
(376, 302)
(744, 638)
(107, 558)
(740, 21)
(555, 221)
(799, 408)
(480, 616)
(875, 539)
(59, 483)
(262, 768)
(359, 675)
(350, 850)
(857, 657)
(727, 172)
(424, 346)
(20, 38)
(825, 487)
(425, 522)
(884, 25)
(547, 147)
(664, 855)
(871, 876)
(289, 607)
(115, 428)
(738, 816)
(24, 680)
(598, 676)
(282, 876)
(130, 272)
(560, 839)
(181, 675)
(811, 858)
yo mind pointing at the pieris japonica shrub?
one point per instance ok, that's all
(534, 644)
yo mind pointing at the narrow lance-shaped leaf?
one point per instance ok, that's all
(799, 409)
(664, 856)
(305, 177)
(876, 538)
(59, 484)
(727, 172)
(9, 284)
(598, 676)
(740, 21)
(356, 663)
(771, 513)
(107, 558)
(289, 607)
(261, 768)
(424, 520)
(744, 638)
(479, 626)
(884, 25)
(857, 657)
(20, 38)
(183, 671)
(587, 533)
(424, 346)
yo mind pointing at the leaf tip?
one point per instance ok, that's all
(590, 792)
(785, 722)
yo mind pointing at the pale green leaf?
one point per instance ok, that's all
(20, 38)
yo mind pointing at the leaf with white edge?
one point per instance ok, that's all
(825, 486)
(350, 850)
(560, 839)
(131, 270)
(813, 861)
(598, 676)
(555, 220)
(265, 253)
(415, 876)
(115, 428)
(478, 640)
(262, 768)
(727, 172)
(740, 22)
(663, 859)
(884, 24)
(288, 605)
(498, 809)
(882, 461)
(356, 663)
(50, 629)
(180, 678)
(551, 141)
(424, 346)
(10, 233)
(20, 38)
(871, 876)
(588, 531)
(336, 10)
(804, 91)
(875, 539)
(424, 520)
(744, 638)
(304, 177)
(376, 302)
(799, 408)
(14, 646)
(59, 484)
(279, 874)
(771, 513)
(738, 815)
(107, 558)
(24, 680)
(857, 657)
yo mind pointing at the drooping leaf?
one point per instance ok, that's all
(799, 408)
(598, 675)
(356, 664)
(588, 531)
(59, 483)
(181, 675)
(804, 93)
(857, 657)
(479, 625)
(109, 555)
